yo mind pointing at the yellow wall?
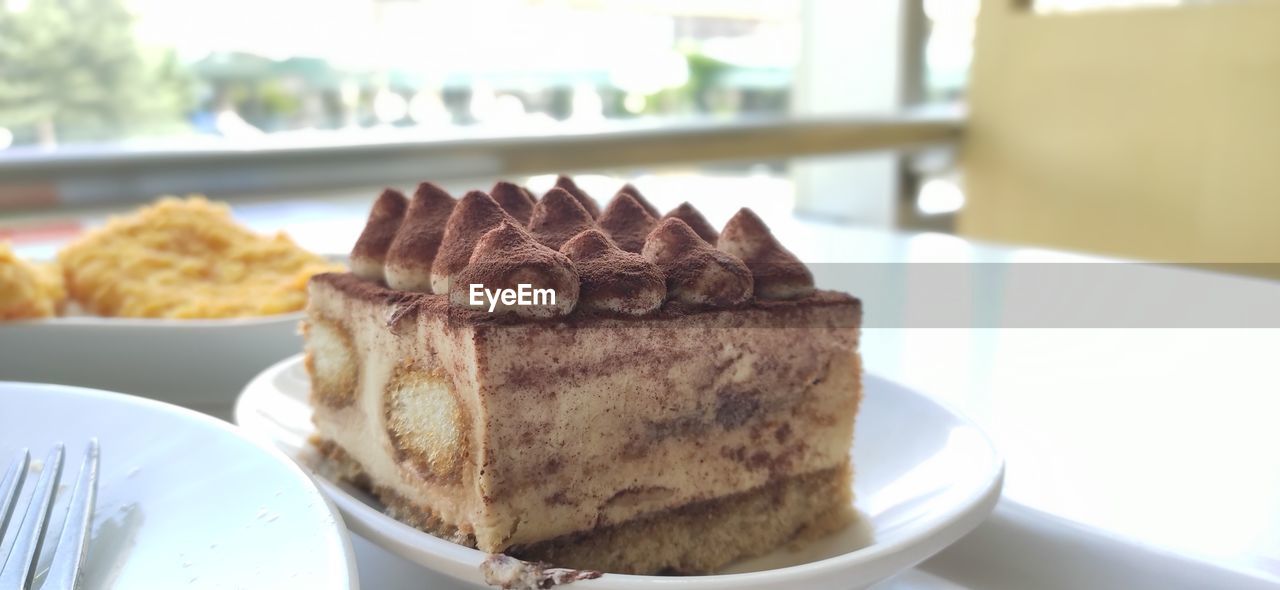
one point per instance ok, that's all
(1148, 133)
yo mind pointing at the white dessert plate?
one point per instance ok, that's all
(184, 500)
(924, 477)
(199, 364)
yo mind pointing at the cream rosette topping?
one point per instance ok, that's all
(557, 217)
(516, 200)
(475, 214)
(627, 222)
(778, 274)
(370, 252)
(417, 242)
(696, 273)
(624, 261)
(630, 189)
(612, 279)
(511, 273)
(568, 185)
(694, 219)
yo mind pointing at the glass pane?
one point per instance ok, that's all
(948, 47)
(293, 71)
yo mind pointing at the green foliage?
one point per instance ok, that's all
(71, 70)
(695, 96)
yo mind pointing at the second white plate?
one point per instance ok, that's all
(184, 500)
(924, 477)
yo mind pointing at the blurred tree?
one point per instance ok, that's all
(70, 70)
(696, 95)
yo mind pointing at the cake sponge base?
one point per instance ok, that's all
(697, 538)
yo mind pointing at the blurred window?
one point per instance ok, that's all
(948, 47)
(202, 72)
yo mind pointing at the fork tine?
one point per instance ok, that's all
(70, 551)
(9, 487)
(18, 568)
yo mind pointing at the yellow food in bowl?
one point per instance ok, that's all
(187, 258)
(28, 290)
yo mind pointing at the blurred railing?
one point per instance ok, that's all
(72, 177)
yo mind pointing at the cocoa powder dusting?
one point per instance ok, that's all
(558, 217)
(694, 219)
(380, 230)
(418, 240)
(627, 222)
(588, 204)
(513, 199)
(475, 214)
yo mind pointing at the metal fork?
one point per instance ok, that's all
(22, 528)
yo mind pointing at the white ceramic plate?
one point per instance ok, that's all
(924, 476)
(200, 364)
(184, 500)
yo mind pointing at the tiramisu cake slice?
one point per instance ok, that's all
(677, 405)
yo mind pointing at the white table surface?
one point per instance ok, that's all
(1167, 437)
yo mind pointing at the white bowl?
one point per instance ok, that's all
(924, 477)
(200, 364)
(195, 363)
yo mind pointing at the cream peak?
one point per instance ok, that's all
(694, 219)
(696, 273)
(511, 273)
(612, 279)
(514, 199)
(778, 273)
(557, 217)
(627, 222)
(588, 203)
(409, 260)
(476, 214)
(370, 251)
(630, 189)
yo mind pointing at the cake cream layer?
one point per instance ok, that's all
(511, 434)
